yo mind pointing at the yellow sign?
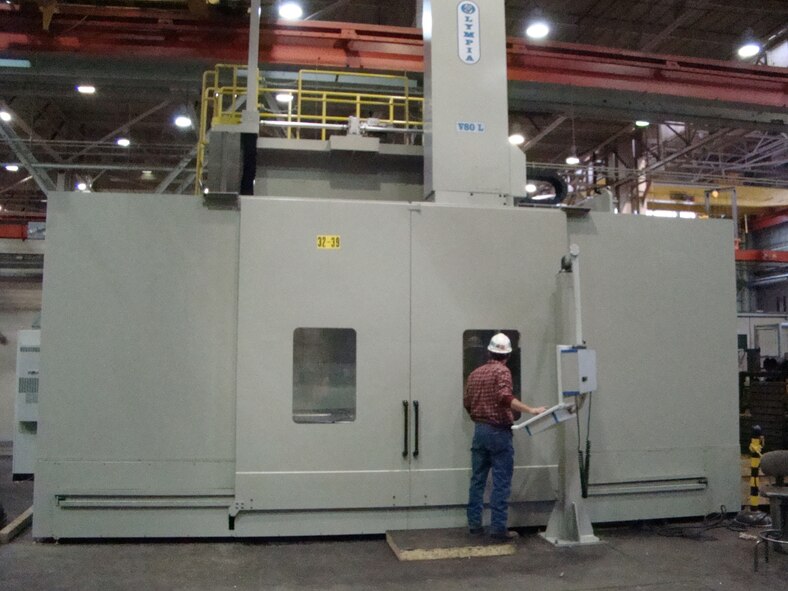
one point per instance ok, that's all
(325, 241)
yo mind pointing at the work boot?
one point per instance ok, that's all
(504, 536)
(476, 531)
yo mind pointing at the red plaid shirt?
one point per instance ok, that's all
(488, 394)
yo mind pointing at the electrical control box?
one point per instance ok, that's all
(577, 371)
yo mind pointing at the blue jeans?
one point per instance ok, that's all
(491, 449)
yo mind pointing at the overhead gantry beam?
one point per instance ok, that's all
(601, 67)
(762, 256)
(137, 34)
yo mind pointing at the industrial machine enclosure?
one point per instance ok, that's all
(167, 402)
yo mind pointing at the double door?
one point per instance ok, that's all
(350, 345)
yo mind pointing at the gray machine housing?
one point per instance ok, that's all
(167, 383)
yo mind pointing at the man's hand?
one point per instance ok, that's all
(520, 407)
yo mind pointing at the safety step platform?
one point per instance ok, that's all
(438, 544)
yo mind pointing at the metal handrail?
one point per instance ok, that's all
(223, 96)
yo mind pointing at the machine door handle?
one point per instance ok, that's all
(416, 428)
(405, 415)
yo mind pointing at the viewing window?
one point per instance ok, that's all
(324, 375)
(475, 354)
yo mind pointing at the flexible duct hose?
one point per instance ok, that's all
(547, 176)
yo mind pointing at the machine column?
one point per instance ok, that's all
(467, 155)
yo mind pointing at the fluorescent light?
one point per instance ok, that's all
(12, 167)
(123, 142)
(543, 197)
(183, 121)
(290, 11)
(530, 188)
(86, 89)
(572, 160)
(749, 49)
(284, 97)
(642, 123)
(538, 30)
(5, 116)
(8, 63)
(516, 139)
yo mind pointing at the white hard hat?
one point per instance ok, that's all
(500, 343)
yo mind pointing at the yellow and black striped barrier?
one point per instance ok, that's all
(751, 516)
(756, 449)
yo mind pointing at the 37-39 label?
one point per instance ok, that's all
(328, 241)
(471, 127)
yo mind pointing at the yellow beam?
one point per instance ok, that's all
(692, 198)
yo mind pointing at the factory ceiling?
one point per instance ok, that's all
(146, 59)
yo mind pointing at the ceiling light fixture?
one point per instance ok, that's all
(284, 97)
(5, 116)
(516, 139)
(642, 123)
(12, 167)
(537, 27)
(82, 186)
(290, 11)
(538, 30)
(86, 89)
(750, 46)
(530, 188)
(123, 142)
(183, 121)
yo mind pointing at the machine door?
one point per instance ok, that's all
(475, 272)
(323, 355)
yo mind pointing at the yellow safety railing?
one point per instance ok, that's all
(224, 93)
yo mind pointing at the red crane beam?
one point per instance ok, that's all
(13, 231)
(613, 69)
(762, 256)
(175, 35)
(776, 219)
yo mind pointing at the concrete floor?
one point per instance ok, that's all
(632, 557)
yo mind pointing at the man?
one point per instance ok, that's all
(491, 404)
